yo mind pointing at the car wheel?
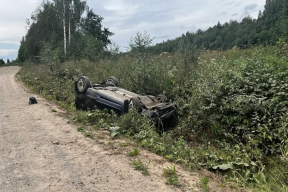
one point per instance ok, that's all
(78, 103)
(112, 81)
(78, 107)
(136, 104)
(83, 83)
(162, 98)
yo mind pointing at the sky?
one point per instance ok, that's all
(162, 19)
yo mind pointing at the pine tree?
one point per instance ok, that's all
(2, 62)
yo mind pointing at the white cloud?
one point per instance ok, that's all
(13, 22)
(169, 19)
(121, 7)
(12, 32)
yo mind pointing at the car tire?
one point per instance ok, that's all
(83, 83)
(162, 98)
(136, 104)
(112, 81)
(78, 103)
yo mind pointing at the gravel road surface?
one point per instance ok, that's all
(40, 151)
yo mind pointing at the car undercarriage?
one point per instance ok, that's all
(107, 95)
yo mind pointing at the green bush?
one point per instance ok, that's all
(244, 103)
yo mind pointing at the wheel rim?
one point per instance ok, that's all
(81, 84)
(110, 81)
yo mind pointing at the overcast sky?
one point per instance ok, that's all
(162, 19)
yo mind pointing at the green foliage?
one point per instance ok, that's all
(173, 180)
(170, 174)
(141, 167)
(204, 184)
(50, 55)
(113, 51)
(80, 129)
(22, 52)
(135, 152)
(169, 171)
(140, 43)
(232, 107)
(91, 25)
(2, 62)
(133, 123)
(245, 104)
(93, 48)
(84, 35)
(275, 176)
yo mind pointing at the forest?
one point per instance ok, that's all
(267, 29)
(229, 83)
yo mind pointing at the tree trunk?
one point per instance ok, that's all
(69, 31)
(70, 22)
(64, 28)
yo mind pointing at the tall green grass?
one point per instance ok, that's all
(232, 107)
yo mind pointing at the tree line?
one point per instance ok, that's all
(58, 30)
(267, 29)
(69, 29)
(2, 62)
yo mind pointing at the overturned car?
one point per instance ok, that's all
(107, 95)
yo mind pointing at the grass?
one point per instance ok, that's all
(215, 119)
(135, 152)
(170, 174)
(169, 171)
(141, 167)
(80, 129)
(204, 184)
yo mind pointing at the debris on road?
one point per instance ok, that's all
(56, 142)
(32, 100)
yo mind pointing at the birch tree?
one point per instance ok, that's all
(62, 26)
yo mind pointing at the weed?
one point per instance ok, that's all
(170, 174)
(169, 171)
(135, 152)
(141, 167)
(80, 129)
(109, 143)
(173, 180)
(204, 184)
(88, 134)
(125, 144)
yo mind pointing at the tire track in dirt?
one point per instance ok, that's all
(31, 162)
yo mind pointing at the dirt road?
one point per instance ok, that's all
(40, 151)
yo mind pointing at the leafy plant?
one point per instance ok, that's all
(88, 134)
(80, 129)
(169, 171)
(140, 42)
(204, 184)
(135, 152)
(141, 167)
(173, 180)
(170, 174)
